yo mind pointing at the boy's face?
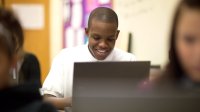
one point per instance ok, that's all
(102, 37)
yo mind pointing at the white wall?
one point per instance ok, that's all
(149, 21)
(56, 27)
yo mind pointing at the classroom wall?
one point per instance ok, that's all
(150, 22)
(37, 41)
(56, 27)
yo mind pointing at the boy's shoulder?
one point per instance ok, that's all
(71, 52)
(123, 54)
(73, 49)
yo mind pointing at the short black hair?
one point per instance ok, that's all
(103, 14)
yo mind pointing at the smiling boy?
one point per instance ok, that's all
(102, 33)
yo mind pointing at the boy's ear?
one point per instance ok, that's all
(117, 34)
(87, 31)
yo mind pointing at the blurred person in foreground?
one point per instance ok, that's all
(183, 69)
(20, 98)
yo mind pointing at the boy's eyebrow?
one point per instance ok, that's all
(94, 34)
(111, 35)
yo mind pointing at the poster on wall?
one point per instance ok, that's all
(31, 16)
(75, 17)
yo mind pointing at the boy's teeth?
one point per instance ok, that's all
(102, 51)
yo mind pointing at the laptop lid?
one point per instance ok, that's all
(103, 86)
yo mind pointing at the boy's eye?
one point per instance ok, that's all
(96, 38)
(111, 39)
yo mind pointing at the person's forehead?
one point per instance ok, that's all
(102, 29)
(103, 25)
(96, 21)
(189, 20)
(190, 12)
